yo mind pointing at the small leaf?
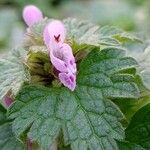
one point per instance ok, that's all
(7, 140)
(138, 130)
(87, 116)
(13, 72)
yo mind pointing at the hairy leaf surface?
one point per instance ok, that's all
(13, 73)
(84, 32)
(87, 116)
(8, 141)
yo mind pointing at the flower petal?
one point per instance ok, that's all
(46, 36)
(67, 53)
(54, 33)
(68, 80)
(62, 58)
(68, 57)
(57, 62)
(32, 15)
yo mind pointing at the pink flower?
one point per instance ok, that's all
(32, 15)
(60, 53)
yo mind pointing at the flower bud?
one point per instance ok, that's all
(32, 15)
(7, 101)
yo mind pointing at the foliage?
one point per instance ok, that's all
(13, 73)
(138, 129)
(50, 108)
(7, 138)
(89, 117)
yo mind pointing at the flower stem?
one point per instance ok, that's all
(29, 144)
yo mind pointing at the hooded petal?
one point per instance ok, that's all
(67, 53)
(68, 58)
(54, 33)
(68, 80)
(62, 58)
(32, 15)
(57, 62)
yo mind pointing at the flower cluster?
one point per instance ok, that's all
(61, 54)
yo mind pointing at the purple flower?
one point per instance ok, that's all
(60, 53)
(32, 15)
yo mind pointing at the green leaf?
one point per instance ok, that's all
(84, 32)
(104, 70)
(61, 108)
(13, 72)
(138, 130)
(7, 139)
(141, 53)
(129, 107)
(87, 116)
(113, 33)
(128, 146)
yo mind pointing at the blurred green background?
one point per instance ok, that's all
(130, 15)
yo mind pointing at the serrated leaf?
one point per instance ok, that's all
(124, 145)
(84, 32)
(81, 30)
(13, 72)
(7, 139)
(88, 118)
(118, 34)
(129, 107)
(141, 53)
(138, 130)
(54, 112)
(103, 70)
